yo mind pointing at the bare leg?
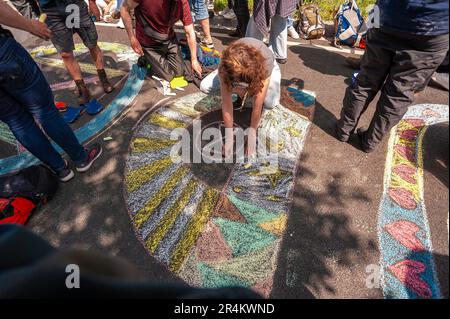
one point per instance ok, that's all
(206, 29)
(97, 56)
(74, 70)
(72, 65)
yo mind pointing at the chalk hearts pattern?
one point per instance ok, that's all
(409, 273)
(404, 234)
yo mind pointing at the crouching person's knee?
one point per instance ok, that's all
(205, 87)
(211, 83)
(67, 55)
(171, 73)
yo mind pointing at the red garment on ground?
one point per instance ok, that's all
(19, 208)
(159, 17)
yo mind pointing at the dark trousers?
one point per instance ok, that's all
(240, 8)
(165, 59)
(398, 65)
(26, 99)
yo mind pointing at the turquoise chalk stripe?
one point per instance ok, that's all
(126, 96)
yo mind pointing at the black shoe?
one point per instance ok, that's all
(66, 174)
(235, 34)
(94, 153)
(282, 61)
(362, 136)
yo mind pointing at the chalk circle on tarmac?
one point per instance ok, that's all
(213, 225)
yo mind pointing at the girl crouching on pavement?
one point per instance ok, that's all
(248, 69)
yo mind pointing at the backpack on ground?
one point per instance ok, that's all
(36, 183)
(310, 24)
(16, 210)
(349, 24)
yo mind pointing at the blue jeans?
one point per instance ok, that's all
(25, 99)
(199, 9)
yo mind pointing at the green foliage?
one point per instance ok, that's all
(219, 5)
(327, 6)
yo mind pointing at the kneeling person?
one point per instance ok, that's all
(249, 69)
(155, 36)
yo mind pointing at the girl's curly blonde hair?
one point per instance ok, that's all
(242, 63)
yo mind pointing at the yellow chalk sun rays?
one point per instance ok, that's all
(137, 178)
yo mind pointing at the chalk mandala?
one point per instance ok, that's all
(129, 91)
(213, 225)
(404, 234)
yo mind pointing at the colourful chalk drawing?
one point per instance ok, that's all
(307, 98)
(404, 234)
(228, 235)
(125, 97)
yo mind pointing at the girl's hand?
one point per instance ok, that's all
(251, 143)
(227, 150)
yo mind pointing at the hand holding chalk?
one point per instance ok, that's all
(39, 28)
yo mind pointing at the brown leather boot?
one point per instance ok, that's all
(84, 96)
(107, 86)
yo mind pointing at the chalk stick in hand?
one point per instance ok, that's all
(42, 18)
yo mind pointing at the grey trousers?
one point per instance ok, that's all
(398, 65)
(278, 36)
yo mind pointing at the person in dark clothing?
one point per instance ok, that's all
(155, 36)
(240, 8)
(400, 59)
(31, 268)
(27, 99)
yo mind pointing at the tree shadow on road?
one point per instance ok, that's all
(319, 237)
(90, 213)
(323, 61)
(438, 154)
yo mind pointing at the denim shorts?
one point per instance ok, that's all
(199, 9)
(60, 20)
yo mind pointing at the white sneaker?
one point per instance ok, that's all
(120, 24)
(228, 14)
(210, 5)
(293, 33)
(225, 11)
